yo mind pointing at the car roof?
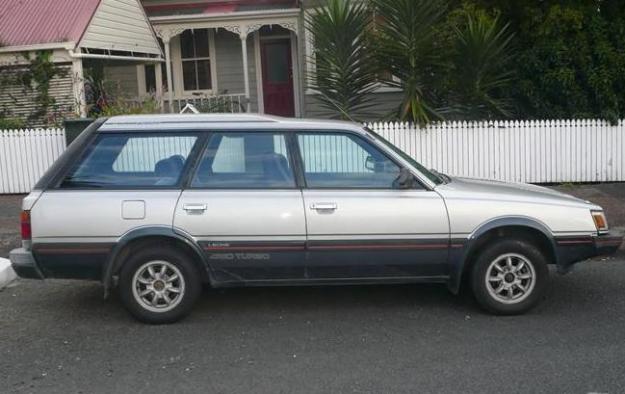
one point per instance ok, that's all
(186, 122)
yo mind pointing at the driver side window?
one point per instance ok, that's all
(334, 160)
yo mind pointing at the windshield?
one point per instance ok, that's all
(434, 177)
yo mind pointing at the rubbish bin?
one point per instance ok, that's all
(73, 128)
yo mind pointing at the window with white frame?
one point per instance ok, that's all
(196, 60)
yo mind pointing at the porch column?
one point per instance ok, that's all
(159, 85)
(170, 89)
(246, 73)
(78, 83)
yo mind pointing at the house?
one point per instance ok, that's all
(76, 35)
(222, 56)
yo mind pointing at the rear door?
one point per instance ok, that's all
(360, 225)
(244, 209)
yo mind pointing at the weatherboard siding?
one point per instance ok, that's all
(120, 25)
(121, 80)
(383, 104)
(19, 102)
(229, 64)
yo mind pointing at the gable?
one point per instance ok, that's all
(120, 25)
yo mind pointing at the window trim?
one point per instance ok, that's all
(190, 160)
(188, 185)
(177, 74)
(419, 184)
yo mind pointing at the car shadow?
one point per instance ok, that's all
(566, 295)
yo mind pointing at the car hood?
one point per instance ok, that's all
(504, 191)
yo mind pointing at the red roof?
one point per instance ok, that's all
(30, 22)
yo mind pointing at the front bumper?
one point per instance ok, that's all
(607, 244)
(24, 264)
(571, 250)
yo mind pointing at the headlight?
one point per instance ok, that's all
(600, 221)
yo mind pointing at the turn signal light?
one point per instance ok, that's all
(25, 226)
(600, 221)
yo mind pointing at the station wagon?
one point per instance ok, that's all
(156, 206)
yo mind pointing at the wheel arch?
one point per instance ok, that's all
(149, 235)
(500, 228)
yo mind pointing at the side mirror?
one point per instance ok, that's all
(405, 180)
(370, 163)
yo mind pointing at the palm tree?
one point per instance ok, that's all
(406, 49)
(345, 71)
(482, 68)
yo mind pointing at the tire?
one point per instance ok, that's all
(159, 285)
(509, 277)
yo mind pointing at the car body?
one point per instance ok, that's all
(244, 200)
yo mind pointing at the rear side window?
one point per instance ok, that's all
(132, 160)
(245, 161)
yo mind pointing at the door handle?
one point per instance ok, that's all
(324, 206)
(194, 208)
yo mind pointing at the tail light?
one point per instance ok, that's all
(25, 226)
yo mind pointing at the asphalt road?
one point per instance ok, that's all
(61, 337)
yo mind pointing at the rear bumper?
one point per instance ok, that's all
(571, 250)
(24, 264)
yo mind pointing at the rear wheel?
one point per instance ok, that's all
(510, 277)
(159, 285)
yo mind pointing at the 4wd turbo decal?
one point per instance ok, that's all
(248, 251)
(240, 256)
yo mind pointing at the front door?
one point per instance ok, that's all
(277, 77)
(360, 226)
(244, 209)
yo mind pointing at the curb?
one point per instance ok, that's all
(7, 275)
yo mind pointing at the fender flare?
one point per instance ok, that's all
(111, 265)
(457, 261)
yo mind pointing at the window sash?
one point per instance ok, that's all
(193, 85)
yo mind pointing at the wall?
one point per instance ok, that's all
(15, 101)
(383, 104)
(121, 79)
(230, 65)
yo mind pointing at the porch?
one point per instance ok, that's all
(228, 62)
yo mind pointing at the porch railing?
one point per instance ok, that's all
(224, 103)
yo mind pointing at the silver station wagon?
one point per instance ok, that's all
(156, 206)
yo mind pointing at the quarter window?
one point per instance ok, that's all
(245, 161)
(118, 160)
(345, 161)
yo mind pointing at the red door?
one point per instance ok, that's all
(277, 77)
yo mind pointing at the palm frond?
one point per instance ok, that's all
(482, 68)
(345, 73)
(405, 48)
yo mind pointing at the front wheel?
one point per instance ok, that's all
(159, 285)
(510, 277)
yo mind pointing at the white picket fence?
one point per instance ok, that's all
(516, 151)
(25, 155)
